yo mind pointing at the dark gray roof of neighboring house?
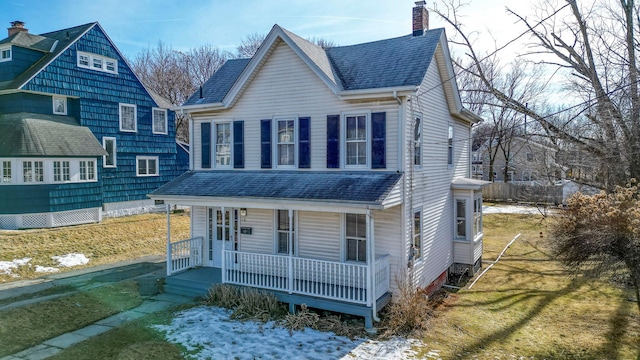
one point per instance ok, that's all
(324, 186)
(401, 61)
(393, 62)
(27, 134)
(64, 38)
(215, 89)
(31, 41)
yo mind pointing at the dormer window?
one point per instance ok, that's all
(60, 105)
(5, 54)
(97, 62)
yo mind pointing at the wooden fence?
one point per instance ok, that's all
(525, 193)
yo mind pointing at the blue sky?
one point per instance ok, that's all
(183, 24)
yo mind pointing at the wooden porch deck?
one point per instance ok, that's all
(196, 282)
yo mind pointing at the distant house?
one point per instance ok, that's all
(80, 136)
(527, 162)
(326, 175)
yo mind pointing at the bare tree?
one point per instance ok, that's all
(592, 51)
(175, 75)
(251, 43)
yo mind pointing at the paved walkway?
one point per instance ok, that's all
(145, 270)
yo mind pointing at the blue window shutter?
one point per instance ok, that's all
(265, 144)
(378, 137)
(205, 139)
(238, 144)
(333, 141)
(304, 145)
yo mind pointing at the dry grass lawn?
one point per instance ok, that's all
(114, 239)
(526, 306)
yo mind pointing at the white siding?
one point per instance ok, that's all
(462, 251)
(199, 221)
(319, 235)
(477, 249)
(286, 86)
(388, 240)
(261, 239)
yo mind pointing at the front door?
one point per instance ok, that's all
(223, 231)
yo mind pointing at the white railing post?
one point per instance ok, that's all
(169, 270)
(224, 252)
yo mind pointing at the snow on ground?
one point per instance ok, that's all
(208, 333)
(45, 269)
(69, 260)
(6, 267)
(510, 209)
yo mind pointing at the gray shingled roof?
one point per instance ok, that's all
(31, 41)
(64, 38)
(215, 89)
(26, 134)
(324, 186)
(396, 62)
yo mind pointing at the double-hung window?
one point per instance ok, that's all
(109, 144)
(6, 172)
(417, 234)
(5, 54)
(128, 118)
(32, 171)
(477, 216)
(60, 105)
(356, 140)
(461, 219)
(147, 166)
(159, 121)
(417, 141)
(450, 148)
(61, 171)
(223, 144)
(356, 235)
(87, 170)
(286, 140)
(286, 232)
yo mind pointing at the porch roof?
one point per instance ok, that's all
(362, 189)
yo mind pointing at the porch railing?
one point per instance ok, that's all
(325, 279)
(184, 254)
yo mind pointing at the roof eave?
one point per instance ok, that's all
(377, 92)
(200, 107)
(469, 116)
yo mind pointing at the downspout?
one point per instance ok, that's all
(371, 233)
(224, 252)
(169, 270)
(191, 149)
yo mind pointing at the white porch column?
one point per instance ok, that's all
(224, 260)
(290, 260)
(370, 258)
(169, 240)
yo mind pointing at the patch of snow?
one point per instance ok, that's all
(209, 333)
(44, 269)
(6, 267)
(510, 209)
(69, 260)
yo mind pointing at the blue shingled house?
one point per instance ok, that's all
(323, 175)
(80, 136)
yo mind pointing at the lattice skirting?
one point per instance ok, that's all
(46, 220)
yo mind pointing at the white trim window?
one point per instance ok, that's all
(147, 166)
(110, 146)
(97, 62)
(450, 148)
(5, 53)
(285, 228)
(223, 144)
(477, 216)
(87, 170)
(61, 171)
(417, 141)
(59, 105)
(285, 142)
(356, 237)
(356, 140)
(128, 115)
(7, 171)
(32, 171)
(159, 121)
(460, 212)
(417, 234)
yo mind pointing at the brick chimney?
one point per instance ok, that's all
(420, 18)
(16, 27)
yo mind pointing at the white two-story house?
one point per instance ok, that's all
(330, 175)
